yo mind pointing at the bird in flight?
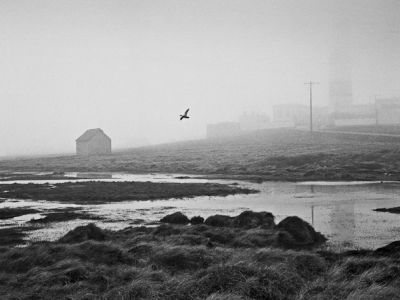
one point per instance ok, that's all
(185, 116)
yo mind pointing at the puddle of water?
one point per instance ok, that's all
(117, 177)
(343, 211)
(28, 217)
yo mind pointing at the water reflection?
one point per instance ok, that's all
(342, 211)
(342, 221)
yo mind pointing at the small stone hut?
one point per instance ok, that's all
(93, 142)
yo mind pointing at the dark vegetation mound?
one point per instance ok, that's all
(247, 219)
(296, 232)
(248, 229)
(175, 218)
(219, 221)
(393, 210)
(176, 262)
(250, 219)
(197, 220)
(84, 233)
(392, 249)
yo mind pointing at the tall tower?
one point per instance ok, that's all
(340, 78)
(340, 81)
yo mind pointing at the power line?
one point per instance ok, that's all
(311, 118)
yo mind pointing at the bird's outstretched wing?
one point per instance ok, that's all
(186, 112)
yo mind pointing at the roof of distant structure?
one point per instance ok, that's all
(89, 134)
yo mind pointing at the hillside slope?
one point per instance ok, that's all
(279, 154)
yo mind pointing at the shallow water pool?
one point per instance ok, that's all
(343, 211)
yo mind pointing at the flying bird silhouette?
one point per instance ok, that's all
(184, 116)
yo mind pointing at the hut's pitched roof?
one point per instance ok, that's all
(89, 134)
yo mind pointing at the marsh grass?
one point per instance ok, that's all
(12, 212)
(174, 262)
(15, 235)
(101, 192)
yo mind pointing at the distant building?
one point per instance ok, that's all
(340, 67)
(93, 142)
(387, 111)
(298, 115)
(253, 121)
(290, 115)
(321, 117)
(361, 114)
(224, 129)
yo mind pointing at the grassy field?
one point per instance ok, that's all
(264, 155)
(383, 129)
(194, 262)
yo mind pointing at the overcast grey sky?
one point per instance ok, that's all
(131, 67)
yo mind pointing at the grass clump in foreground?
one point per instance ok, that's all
(195, 262)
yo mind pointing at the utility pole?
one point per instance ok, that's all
(311, 119)
(376, 110)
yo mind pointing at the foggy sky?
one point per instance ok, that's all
(131, 67)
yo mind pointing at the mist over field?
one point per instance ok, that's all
(199, 149)
(131, 67)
